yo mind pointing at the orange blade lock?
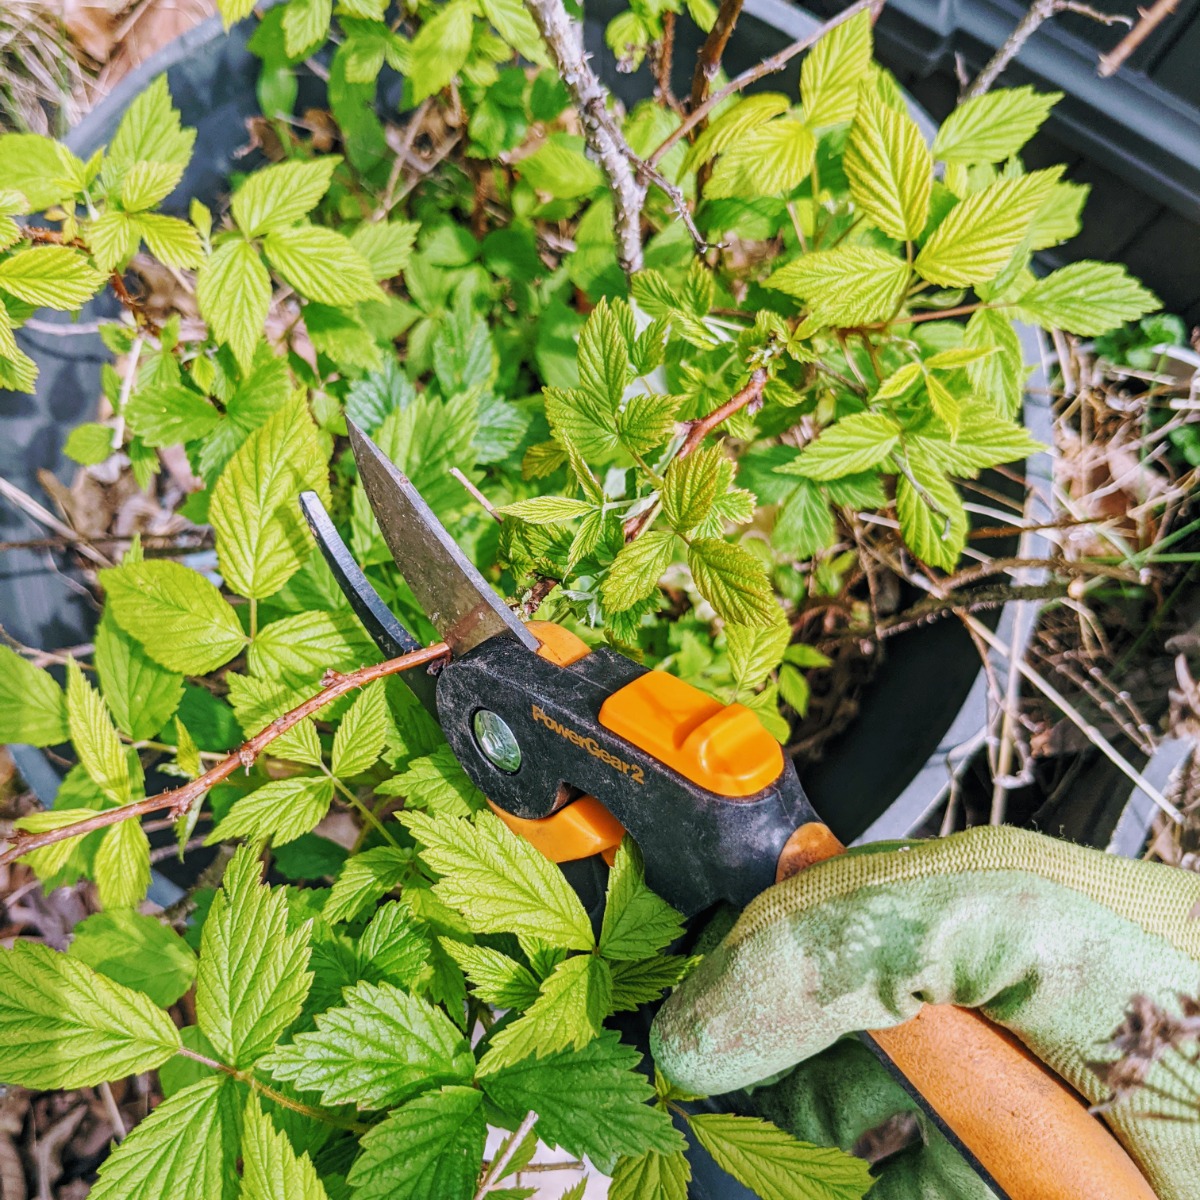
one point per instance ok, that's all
(1031, 1133)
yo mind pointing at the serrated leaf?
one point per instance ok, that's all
(361, 736)
(976, 239)
(430, 1149)
(171, 240)
(386, 245)
(305, 23)
(253, 975)
(49, 860)
(150, 131)
(567, 1089)
(494, 977)
(64, 1025)
(279, 811)
(381, 1047)
(932, 519)
(366, 877)
(770, 160)
(651, 1177)
(636, 570)
(393, 947)
(146, 184)
(435, 782)
(581, 420)
(137, 951)
(283, 194)
(141, 693)
(726, 130)
(170, 416)
(177, 615)
(50, 276)
(690, 487)
(945, 403)
(638, 983)
(440, 49)
(1000, 376)
(33, 709)
(853, 444)
(646, 420)
(889, 168)
(321, 264)
(804, 524)
(94, 738)
(774, 1164)
(499, 882)
(852, 285)
(187, 1146)
(984, 440)
(1087, 298)
(112, 238)
(603, 358)
(262, 537)
(832, 71)
(637, 923)
(514, 24)
(547, 510)
(733, 581)
(993, 127)
(755, 651)
(39, 168)
(233, 291)
(308, 643)
(122, 865)
(271, 1169)
(569, 1012)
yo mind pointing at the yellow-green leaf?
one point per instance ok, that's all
(993, 127)
(852, 285)
(94, 738)
(835, 66)
(233, 291)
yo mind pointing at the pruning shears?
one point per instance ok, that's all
(575, 746)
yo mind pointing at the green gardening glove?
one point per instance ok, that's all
(1048, 939)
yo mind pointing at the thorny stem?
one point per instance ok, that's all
(708, 61)
(767, 67)
(180, 800)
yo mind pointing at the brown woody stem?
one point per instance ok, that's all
(708, 61)
(179, 800)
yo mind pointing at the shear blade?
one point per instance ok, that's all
(458, 601)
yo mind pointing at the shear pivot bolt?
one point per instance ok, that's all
(496, 741)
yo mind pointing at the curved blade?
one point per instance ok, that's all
(458, 601)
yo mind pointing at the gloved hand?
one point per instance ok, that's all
(1051, 940)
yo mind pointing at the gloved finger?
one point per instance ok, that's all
(844, 1097)
(1046, 938)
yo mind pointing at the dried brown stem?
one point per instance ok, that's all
(708, 61)
(1151, 19)
(768, 66)
(663, 58)
(180, 799)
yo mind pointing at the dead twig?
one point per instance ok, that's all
(28, 505)
(179, 800)
(1149, 21)
(496, 1171)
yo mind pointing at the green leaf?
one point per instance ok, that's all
(50, 276)
(271, 1169)
(94, 738)
(435, 782)
(889, 168)
(305, 23)
(430, 1149)
(136, 951)
(804, 525)
(774, 1164)
(380, 1048)
(309, 643)
(567, 1089)
(393, 948)
(187, 1146)
(171, 240)
(262, 537)
(253, 974)
(603, 357)
(146, 184)
(993, 127)
(548, 510)
(583, 421)
(33, 709)
(494, 977)
(321, 264)
(89, 444)
(233, 291)
(933, 521)
(852, 285)
(637, 923)
(177, 615)
(49, 860)
(366, 877)
(280, 811)
(1000, 377)
(636, 570)
(651, 1177)
(440, 49)
(645, 421)
(755, 651)
(63, 1025)
(150, 132)
(977, 238)
(561, 168)
(733, 581)
(142, 694)
(945, 403)
(499, 881)
(386, 245)
(727, 130)
(569, 1012)
(122, 865)
(855, 443)
(767, 161)
(38, 168)
(361, 736)
(514, 24)
(170, 416)
(984, 440)
(233, 11)
(690, 487)
(281, 195)
(832, 71)
(1087, 298)
(638, 983)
